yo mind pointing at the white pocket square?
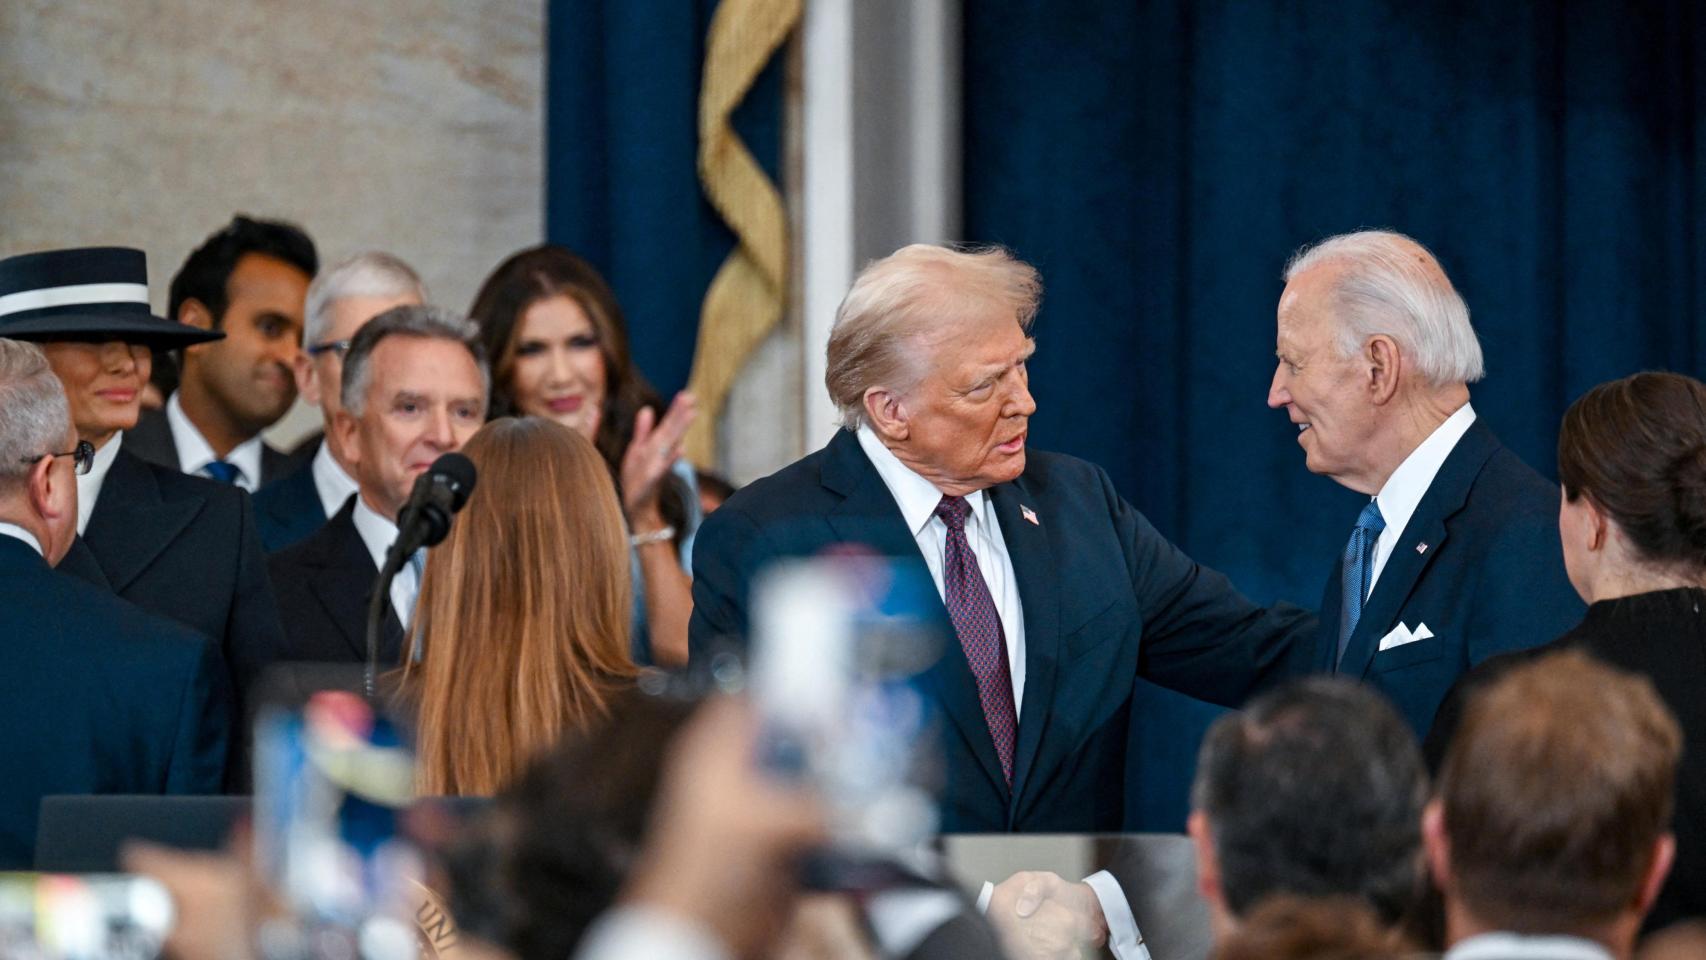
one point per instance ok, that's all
(1401, 635)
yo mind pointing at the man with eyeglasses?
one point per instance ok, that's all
(340, 300)
(247, 281)
(97, 696)
(179, 546)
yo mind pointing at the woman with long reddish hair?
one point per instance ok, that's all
(524, 610)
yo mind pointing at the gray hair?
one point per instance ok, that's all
(37, 416)
(412, 320)
(1390, 284)
(904, 295)
(370, 274)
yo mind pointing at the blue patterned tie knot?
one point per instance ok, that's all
(1357, 572)
(953, 511)
(223, 472)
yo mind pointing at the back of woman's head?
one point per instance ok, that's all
(524, 610)
(1637, 448)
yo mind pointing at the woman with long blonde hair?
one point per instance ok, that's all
(523, 615)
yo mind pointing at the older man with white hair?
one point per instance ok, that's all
(1456, 556)
(97, 696)
(340, 301)
(1059, 594)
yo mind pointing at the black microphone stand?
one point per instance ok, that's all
(376, 604)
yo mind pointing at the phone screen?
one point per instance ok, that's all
(46, 916)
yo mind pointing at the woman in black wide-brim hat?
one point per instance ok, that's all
(182, 547)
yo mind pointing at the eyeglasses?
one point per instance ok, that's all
(83, 458)
(339, 347)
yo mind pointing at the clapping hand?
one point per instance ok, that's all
(655, 447)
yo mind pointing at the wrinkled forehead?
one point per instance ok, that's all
(1305, 305)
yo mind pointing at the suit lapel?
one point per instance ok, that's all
(132, 524)
(343, 584)
(868, 515)
(1035, 569)
(1417, 546)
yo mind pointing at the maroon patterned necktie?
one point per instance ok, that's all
(979, 627)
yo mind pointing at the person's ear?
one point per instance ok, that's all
(1385, 365)
(887, 414)
(1436, 845)
(1208, 863)
(307, 378)
(345, 427)
(1664, 855)
(45, 492)
(193, 313)
(1599, 525)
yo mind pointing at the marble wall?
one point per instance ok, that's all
(414, 126)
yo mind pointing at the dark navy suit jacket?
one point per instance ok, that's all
(324, 584)
(289, 509)
(1480, 564)
(97, 697)
(185, 548)
(1105, 597)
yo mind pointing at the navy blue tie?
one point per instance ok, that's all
(1357, 572)
(222, 471)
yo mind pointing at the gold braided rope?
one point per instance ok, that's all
(745, 299)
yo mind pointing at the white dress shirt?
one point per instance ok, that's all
(634, 931)
(19, 533)
(1404, 490)
(1512, 946)
(331, 482)
(379, 533)
(917, 499)
(89, 484)
(195, 453)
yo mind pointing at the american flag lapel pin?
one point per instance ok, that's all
(1421, 548)
(1029, 514)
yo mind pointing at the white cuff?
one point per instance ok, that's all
(984, 895)
(1124, 939)
(636, 930)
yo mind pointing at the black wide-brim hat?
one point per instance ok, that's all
(92, 294)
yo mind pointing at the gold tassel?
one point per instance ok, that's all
(746, 298)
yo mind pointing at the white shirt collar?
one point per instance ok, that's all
(1511, 946)
(195, 453)
(331, 482)
(376, 531)
(1404, 490)
(89, 484)
(378, 534)
(916, 496)
(19, 533)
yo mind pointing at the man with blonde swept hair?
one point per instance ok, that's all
(1058, 593)
(1456, 555)
(1550, 833)
(97, 696)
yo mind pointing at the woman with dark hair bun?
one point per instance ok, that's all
(559, 350)
(1632, 465)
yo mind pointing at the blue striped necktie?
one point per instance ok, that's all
(1357, 572)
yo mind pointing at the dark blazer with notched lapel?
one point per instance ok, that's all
(97, 697)
(289, 509)
(324, 584)
(1480, 564)
(185, 548)
(1105, 599)
(151, 439)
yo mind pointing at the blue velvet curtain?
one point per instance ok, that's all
(621, 141)
(1159, 161)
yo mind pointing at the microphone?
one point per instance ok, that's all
(424, 521)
